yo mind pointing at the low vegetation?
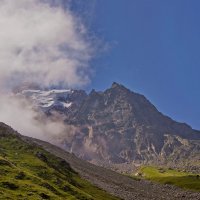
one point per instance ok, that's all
(29, 172)
(170, 176)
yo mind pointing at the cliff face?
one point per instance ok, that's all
(119, 126)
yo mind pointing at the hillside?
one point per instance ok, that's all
(27, 171)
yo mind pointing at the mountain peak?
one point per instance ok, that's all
(119, 89)
(115, 84)
(118, 86)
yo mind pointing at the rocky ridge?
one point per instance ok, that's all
(119, 127)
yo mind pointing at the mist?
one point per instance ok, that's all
(42, 44)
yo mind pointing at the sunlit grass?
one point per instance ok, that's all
(25, 176)
(170, 176)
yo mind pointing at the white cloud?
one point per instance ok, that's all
(42, 44)
(18, 113)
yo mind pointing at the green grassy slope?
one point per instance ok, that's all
(169, 176)
(29, 172)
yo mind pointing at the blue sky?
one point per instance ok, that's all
(154, 50)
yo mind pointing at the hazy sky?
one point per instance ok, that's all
(154, 50)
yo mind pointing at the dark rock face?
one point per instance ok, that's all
(119, 126)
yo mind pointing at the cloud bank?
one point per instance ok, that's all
(19, 114)
(42, 44)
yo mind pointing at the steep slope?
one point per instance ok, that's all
(27, 171)
(118, 127)
(120, 185)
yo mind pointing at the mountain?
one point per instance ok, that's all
(34, 169)
(120, 128)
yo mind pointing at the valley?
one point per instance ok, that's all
(123, 186)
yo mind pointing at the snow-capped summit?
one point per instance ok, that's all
(54, 99)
